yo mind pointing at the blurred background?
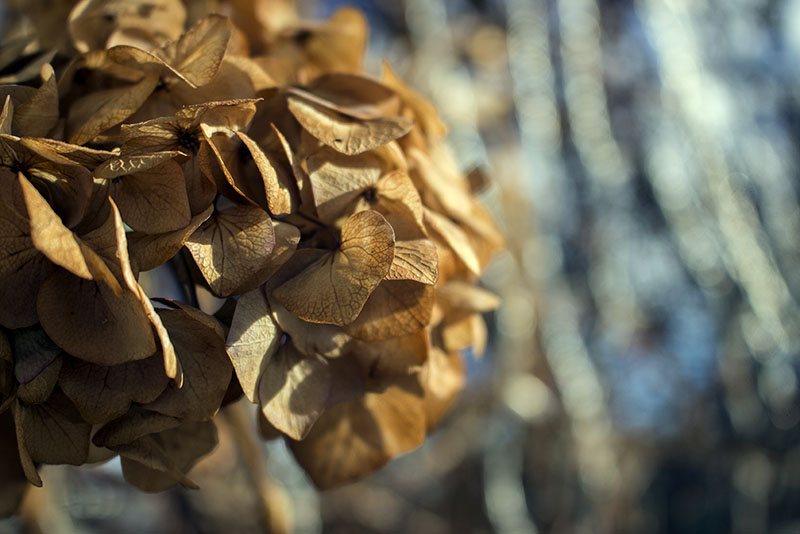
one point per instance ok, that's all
(641, 375)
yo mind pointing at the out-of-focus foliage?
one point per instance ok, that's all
(641, 374)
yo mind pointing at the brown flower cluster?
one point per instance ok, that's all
(246, 153)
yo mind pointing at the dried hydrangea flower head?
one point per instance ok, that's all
(255, 160)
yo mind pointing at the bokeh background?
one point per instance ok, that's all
(642, 372)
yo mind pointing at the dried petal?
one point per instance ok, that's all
(335, 287)
(294, 390)
(347, 135)
(232, 249)
(253, 340)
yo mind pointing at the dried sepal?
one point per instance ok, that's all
(293, 391)
(206, 369)
(102, 393)
(253, 339)
(156, 462)
(335, 287)
(232, 249)
(345, 134)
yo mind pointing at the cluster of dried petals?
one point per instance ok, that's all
(250, 156)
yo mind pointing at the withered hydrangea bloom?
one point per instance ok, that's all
(250, 156)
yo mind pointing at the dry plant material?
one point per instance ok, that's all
(250, 157)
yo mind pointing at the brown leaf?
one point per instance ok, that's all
(53, 432)
(294, 390)
(103, 393)
(153, 200)
(347, 135)
(335, 287)
(395, 308)
(206, 369)
(157, 462)
(253, 340)
(232, 249)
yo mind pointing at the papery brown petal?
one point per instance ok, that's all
(33, 351)
(293, 391)
(154, 200)
(396, 197)
(6, 116)
(134, 424)
(22, 270)
(337, 179)
(350, 94)
(128, 163)
(352, 439)
(148, 251)
(39, 389)
(339, 46)
(347, 135)
(453, 237)
(59, 244)
(28, 466)
(172, 366)
(395, 308)
(443, 378)
(198, 53)
(335, 287)
(75, 313)
(253, 340)
(92, 23)
(59, 151)
(53, 432)
(206, 369)
(94, 113)
(103, 393)
(416, 260)
(159, 461)
(39, 114)
(232, 248)
(279, 198)
(462, 298)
